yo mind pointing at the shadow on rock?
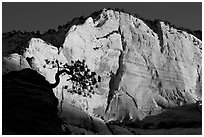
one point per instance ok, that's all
(186, 116)
(28, 104)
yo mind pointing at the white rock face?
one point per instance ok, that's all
(149, 71)
(142, 71)
(41, 57)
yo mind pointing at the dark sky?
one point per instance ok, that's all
(43, 16)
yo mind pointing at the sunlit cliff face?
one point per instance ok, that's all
(142, 71)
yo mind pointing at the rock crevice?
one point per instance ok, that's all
(155, 67)
(115, 80)
(108, 35)
(160, 37)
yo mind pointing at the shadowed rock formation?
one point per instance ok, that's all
(29, 105)
(154, 65)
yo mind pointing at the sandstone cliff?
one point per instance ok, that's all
(143, 71)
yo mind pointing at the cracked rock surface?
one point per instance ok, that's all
(142, 72)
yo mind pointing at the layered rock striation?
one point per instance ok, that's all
(143, 71)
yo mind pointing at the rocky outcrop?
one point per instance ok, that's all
(79, 122)
(28, 104)
(30, 107)
(143, 71)
(14, 62)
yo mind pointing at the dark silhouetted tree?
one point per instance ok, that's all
(84, 81)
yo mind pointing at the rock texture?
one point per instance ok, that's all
(79, 122)
(31, 108)
(142, 70)
(28, 105)
(14, 62)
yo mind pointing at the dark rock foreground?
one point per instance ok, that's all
(29, 106)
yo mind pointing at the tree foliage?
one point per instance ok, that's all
(84, 81)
